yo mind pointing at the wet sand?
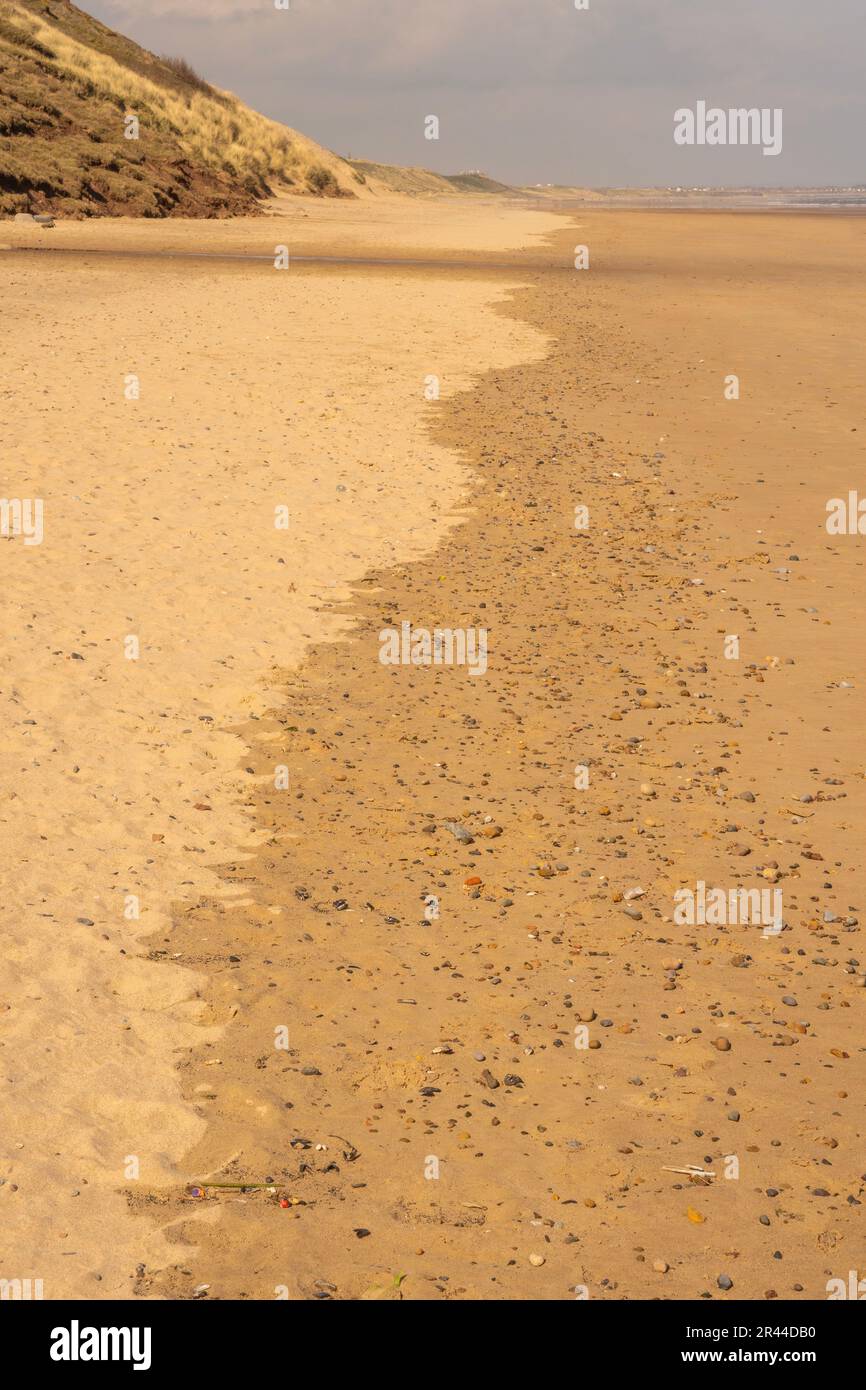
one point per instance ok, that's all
(411, 1088)
(427, 1120)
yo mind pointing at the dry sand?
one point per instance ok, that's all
(258, 389)
(390, 226)
(606, 649)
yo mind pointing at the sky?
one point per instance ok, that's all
(537, 91)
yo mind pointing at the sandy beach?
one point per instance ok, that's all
(222, 835)
(205, 510)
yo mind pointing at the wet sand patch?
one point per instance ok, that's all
(411, 1039)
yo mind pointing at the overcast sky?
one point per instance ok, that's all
(535, 91)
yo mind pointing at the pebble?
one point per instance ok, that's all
(459, 832)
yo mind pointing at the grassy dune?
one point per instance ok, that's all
(67, 83)
(423, 183)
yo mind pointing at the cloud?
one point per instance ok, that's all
(650, 41)
(189, 9)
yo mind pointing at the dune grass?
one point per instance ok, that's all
(213, 128)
